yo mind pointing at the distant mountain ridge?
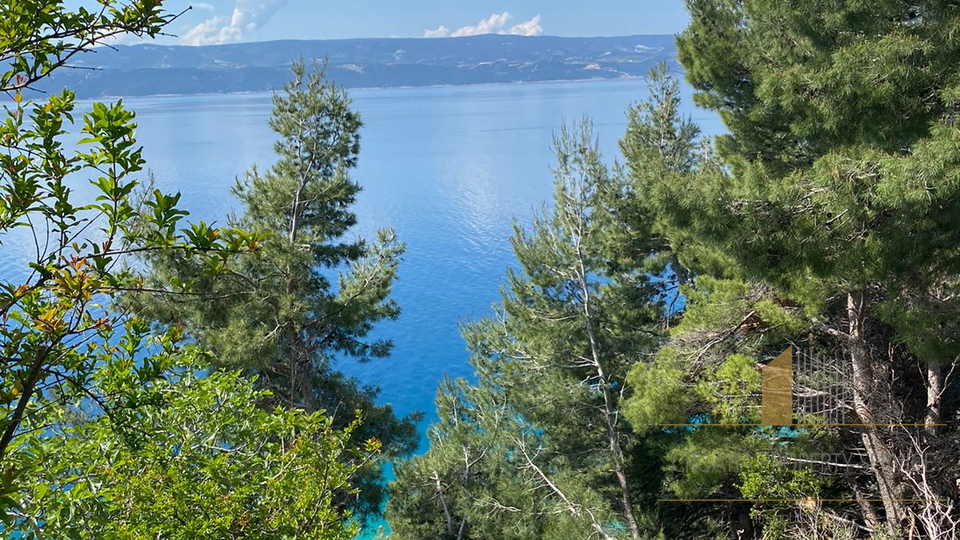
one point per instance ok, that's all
(148, 69)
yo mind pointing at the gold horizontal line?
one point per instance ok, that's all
(800, 500)
(803, 425)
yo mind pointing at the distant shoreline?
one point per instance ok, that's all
(368, 88)
(152, 71)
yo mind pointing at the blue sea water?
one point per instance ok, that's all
(449, 169)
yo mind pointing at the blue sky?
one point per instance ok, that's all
(231, 21)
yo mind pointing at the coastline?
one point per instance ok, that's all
(366, 88)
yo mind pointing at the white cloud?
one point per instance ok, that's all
(443, 31)
(248, 15)
(203, 6)
(489, 25)
(494, 24)
(529, 28)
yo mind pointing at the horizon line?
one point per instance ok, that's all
(482, 36)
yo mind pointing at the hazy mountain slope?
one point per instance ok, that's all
(248, 67)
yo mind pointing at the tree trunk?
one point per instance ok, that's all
(295, 212)
(934, 391)
(446, 509)
(610, 415)
(613, 434)
(869, 512)
(684, 276)
(26, 393)
(610, 407)
(882, 459)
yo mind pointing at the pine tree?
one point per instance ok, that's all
(278, 314)
(839, 192)
(552, 365)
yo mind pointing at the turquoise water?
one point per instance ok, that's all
(448, 168)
